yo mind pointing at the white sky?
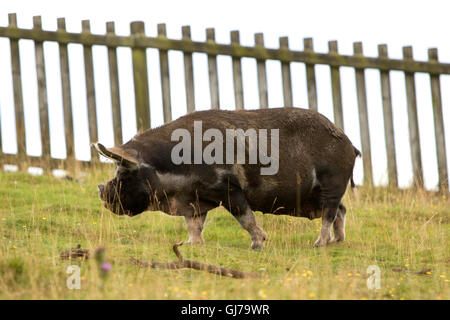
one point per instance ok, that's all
(423, 24)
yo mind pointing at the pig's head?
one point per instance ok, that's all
(129, 192)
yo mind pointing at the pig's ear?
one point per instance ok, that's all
(123, 157)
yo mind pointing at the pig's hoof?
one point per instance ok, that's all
(257, 245)
(321, 243)
(334, 239)
(258, 239)
(195, 241)
(317, 244)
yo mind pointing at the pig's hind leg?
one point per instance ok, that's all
(238, 206)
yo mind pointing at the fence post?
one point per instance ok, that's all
(188, 72)
(42, 96)
(237, 74)
(388, 120)
(212, 70)
(90, 90)
(141, 94)
(363, 117)
(67, 100)
(336, 87)
(165, 78)
(262, 75)
(114, 87)
(286, 75)
(310, 76)
(414, 136)
(18, 96)
(438, 124)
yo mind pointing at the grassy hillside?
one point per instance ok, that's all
(42, 216)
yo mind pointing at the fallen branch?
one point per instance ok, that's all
(421, 272)
(192, 264)
(74, 253)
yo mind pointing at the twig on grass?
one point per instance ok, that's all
(74, 253)
(192, 264)
(421, 272)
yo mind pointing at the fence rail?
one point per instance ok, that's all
(139, 42)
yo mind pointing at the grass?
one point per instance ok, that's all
(41, 216)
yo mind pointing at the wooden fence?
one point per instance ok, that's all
(139, 42)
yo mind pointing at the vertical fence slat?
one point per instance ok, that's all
(310, 76)
(286, 75)
(388, 120)
(363, 116)
(336, 87)
(114, 87)
(165, 78)
(66, 94)
(212, 71)
(188, 72)
(237, 74)
(140, 76)
(414, 136)
(18, 94)
(90, 90)
(42, 94)
(262, 75)
(438, 124)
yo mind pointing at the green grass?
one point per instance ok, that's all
(43, 216)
